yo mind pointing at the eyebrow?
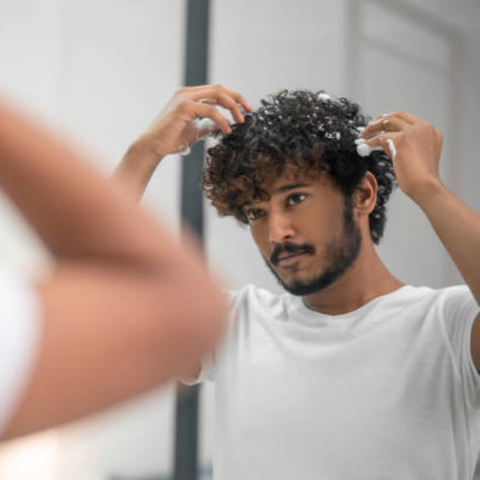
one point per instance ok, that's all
(283, 189)
(287, 188)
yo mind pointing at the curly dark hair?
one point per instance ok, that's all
(310, 131)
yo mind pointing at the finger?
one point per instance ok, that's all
(203, 132)
(193, 89)
(209, 101)
(196, 94)
(386, 141)
(239, 99)
(208, 111)
(384, 124)
(225, 101)
(229, 103)
(219, 91)
(406, 117)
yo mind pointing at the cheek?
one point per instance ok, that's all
(320, 224)
(260, 237)
(315, 219)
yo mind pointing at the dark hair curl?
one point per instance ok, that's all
(309, 131)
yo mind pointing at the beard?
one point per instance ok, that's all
(340, 255)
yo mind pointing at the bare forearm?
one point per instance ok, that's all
(458, 227)
(136, 168)
(75, 212)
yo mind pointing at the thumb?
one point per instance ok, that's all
(385, 141)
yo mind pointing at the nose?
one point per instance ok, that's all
(280, 228)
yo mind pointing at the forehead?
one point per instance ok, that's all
(292, 176)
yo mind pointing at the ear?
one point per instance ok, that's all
(365, 196)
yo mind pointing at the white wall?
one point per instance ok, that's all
(102, 70)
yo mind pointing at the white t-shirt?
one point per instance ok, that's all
(386, 392)
(19, 338)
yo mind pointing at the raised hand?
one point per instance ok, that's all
(413, 145)
(179, 125)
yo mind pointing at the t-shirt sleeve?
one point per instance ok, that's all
(19, 339)
(459, 312)
(206, 372)
(209, 362)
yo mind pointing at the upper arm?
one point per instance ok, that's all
(108, 334)
(475, 342)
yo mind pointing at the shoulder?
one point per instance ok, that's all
(455, 293)
(457, 301)
(254, 305)
(255, 298)
(449, 303)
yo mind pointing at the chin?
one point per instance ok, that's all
(297, 285)
(304, 286)
(302, 289)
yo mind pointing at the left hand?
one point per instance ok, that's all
(174, 130)
(413, 145)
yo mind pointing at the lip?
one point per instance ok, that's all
(290, 259)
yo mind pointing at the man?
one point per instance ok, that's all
(351, 374)
(109, 321)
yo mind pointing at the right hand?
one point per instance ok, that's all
(174, 130)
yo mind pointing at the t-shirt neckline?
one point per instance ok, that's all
(313, 317)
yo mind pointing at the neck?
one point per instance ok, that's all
(365, 280)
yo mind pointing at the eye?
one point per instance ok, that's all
(254, 213)
(295, 199)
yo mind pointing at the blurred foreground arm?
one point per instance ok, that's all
(124, 308)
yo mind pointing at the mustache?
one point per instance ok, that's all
(291, 249)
